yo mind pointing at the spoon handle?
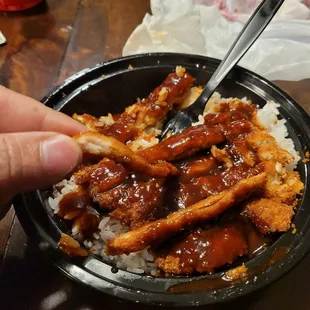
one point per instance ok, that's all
(250, 32)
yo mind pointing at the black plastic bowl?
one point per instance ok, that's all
(110, 87)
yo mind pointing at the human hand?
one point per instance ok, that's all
(35, 148)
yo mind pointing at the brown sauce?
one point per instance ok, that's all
(70, 246)
(107, 176)
(124, 128)
(214, 182)
(204, 250)
(87, 223)
(74, 204)
(196, 168)
(213, 284)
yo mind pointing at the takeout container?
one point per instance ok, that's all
(17, 5)
(110, 87)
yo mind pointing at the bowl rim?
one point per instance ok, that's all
(79, 275)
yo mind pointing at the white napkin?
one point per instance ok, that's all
(2, 38)
(207, 27)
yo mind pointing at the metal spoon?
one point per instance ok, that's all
(250, 32)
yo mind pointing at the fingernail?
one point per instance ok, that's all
(60, 154)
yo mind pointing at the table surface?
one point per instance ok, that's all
(45, 46)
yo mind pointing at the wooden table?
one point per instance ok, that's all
(46, 45)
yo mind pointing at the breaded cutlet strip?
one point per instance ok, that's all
(203, 250)
(112, 198)
(109, 147)
(268, 215)
(181, 145)
(146, 112)
(189, 141)
(152, 109)
(104, 175)
(142, 205)
(134, 204)
(267, 148)
(241, 151)
(282, 186)
(160, 230)
(184, 144)
(175, 147)
(210, 184)
(91, 122)
(197, 167)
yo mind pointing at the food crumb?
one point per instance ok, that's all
(179, 70)
(236, 273)
(307, 157)
(294, 231)
(130, 67)
(70, 246)
(102, 75)
(204, 67)
(162, 96)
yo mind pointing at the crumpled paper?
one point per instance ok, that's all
(207, 27)
(2, 38)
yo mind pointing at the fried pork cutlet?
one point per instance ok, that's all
(212, 183)
(268, 215)
(184, 144)
(144, 203)
(266, 147)
(115, 197)
(107, 174)
(196, 168)
(144, 113)
(104, 175)
(108, 147)
(191, 140)
(160, 230)
(203, 250)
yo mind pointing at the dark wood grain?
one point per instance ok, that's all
(46, 45)
(298, 90)
(36, 46)
(100, 32)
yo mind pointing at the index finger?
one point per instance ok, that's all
(19, 113)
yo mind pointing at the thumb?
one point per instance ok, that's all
(34, 160)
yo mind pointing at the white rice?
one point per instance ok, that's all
(143, 261)
(268, 117)
(62, 188)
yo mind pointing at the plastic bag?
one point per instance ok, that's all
(207, 27)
